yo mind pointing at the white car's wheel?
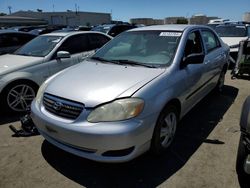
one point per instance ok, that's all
(18, 97)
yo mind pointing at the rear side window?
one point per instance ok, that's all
(97, 41)
(210, 40)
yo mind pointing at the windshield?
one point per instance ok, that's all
(39, 46)
(103, 29)
(143, 47)
(231, 31)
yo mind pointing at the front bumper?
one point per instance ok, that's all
(125, 139)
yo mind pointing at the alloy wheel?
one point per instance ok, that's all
(20, 97)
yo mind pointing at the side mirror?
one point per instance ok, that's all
(62, 54)
(193, 59)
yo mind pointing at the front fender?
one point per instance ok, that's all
(245, 116)
(5, 80)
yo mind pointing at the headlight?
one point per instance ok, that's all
(118, 110)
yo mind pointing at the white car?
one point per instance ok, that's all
(232, 34)
(21, 73)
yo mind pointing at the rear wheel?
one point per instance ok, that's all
(18, 96)
(221, 82)
(165, 129)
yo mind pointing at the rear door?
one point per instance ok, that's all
(215, 56)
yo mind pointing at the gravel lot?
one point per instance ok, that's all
(202, 155)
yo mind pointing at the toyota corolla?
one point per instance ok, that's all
(130, 95)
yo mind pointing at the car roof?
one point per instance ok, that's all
(4, 31)
(66, 34)
(170, 27)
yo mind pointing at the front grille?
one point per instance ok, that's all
(62, 107)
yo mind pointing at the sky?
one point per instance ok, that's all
(126, 9)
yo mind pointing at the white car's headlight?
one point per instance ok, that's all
(118, 110)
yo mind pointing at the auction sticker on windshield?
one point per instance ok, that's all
(170, 34)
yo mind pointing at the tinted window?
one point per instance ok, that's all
(97, 41)
(75, 44)
(210, 40)
(193, 44)
(14, 39)
(231, 31)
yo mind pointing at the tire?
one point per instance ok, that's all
(220, 83)
(18, 96)
(243, 177)
(164, 132)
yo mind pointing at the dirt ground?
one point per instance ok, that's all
(202, 155)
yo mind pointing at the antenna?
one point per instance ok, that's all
(9, 7)
(76, 7)
(53, 8)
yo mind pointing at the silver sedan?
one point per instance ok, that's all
(130, 95)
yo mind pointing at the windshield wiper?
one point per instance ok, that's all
(130, 62)
(105, 60)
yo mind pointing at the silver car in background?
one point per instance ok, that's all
(21, 73)
(129, 96)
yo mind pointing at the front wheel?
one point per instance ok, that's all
(17, 97)
(165, 129)
(243, 177)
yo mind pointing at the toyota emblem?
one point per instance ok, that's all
(57, 106)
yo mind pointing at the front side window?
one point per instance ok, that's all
(39, 46)
(210, 40)
(143, 47)
(193, 44)
(75, 44)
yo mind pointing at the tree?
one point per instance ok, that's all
(182, 21)
(2, 14)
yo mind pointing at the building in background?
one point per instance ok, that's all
(146, 21)
(201, 19)
(9, 21)
(246, 17)
(69, 18)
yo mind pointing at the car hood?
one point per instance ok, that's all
(94, 83)
(11, 62)
(232, 40)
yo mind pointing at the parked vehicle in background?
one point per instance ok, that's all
(232, 34)
(113, 29)
(47, 29)
(27, 28)
(83, 28)
(243, 156)
(21, 73)
(10, 40)
(130, 95)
